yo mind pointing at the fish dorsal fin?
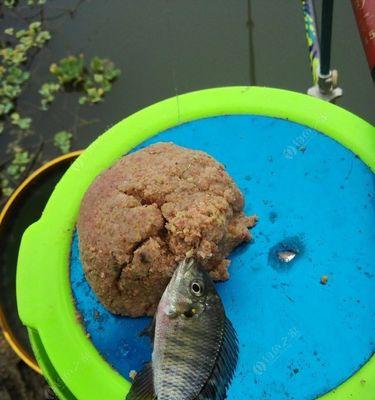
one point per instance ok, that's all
(223, 371)
(143, 385)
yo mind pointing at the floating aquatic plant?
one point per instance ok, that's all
(22, 123)
(92, 79)
(47, 92)
(98, 80)
(14, 55)
(13, 3)
(62, 140)
(13, 171)
(69, 70)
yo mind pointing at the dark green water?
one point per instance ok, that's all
(168, 47)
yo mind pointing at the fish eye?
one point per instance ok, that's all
(196, 288)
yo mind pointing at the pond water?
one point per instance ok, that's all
(167, 47)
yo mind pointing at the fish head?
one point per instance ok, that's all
(188, 291)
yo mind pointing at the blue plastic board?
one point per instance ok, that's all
(298, 338)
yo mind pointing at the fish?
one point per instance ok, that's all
(195, 346)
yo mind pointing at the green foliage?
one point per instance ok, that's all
(14, 171)
(13, 3)
(69, 70)
(62, 140)
(18, 164)
(22, 123)
(5, 186)
(48, 91)
(13, 56)
(93, 80)
(23, 41)
(15, 61)
(11, 80)
(36, 2)
(10, 3)
(98, 80)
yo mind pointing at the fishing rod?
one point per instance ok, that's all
(364, 12)
(324, 79)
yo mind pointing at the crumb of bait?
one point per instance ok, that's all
(132, 374)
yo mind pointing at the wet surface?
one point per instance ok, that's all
(284, 254)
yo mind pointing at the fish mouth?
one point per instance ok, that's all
(175, 308)
(183, 267)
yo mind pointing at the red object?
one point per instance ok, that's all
(364, 11)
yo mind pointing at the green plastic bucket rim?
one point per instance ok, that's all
(69, 361)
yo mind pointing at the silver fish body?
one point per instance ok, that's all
(195, 346)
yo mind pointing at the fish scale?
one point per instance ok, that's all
(192, 350)
(195, 346)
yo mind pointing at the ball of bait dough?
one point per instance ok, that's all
(150, 210)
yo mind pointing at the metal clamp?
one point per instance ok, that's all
(327, 87)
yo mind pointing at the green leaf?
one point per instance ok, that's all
(12, 170)
(42, 37)
(7, 191)
(22, 123)
(22, 157)
(10, 3)
(48, 91)
(9, 31)
(94, 80)
(17, 166)
(35, 26)
(69, 69)
(5, 107)
(36, 2)
(98, 78)
(17, 76)
(62, 140)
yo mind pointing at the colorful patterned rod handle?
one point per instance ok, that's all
(312, 37)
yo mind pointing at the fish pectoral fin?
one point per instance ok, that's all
(149, 330)
(143, 385)
(223, 371)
